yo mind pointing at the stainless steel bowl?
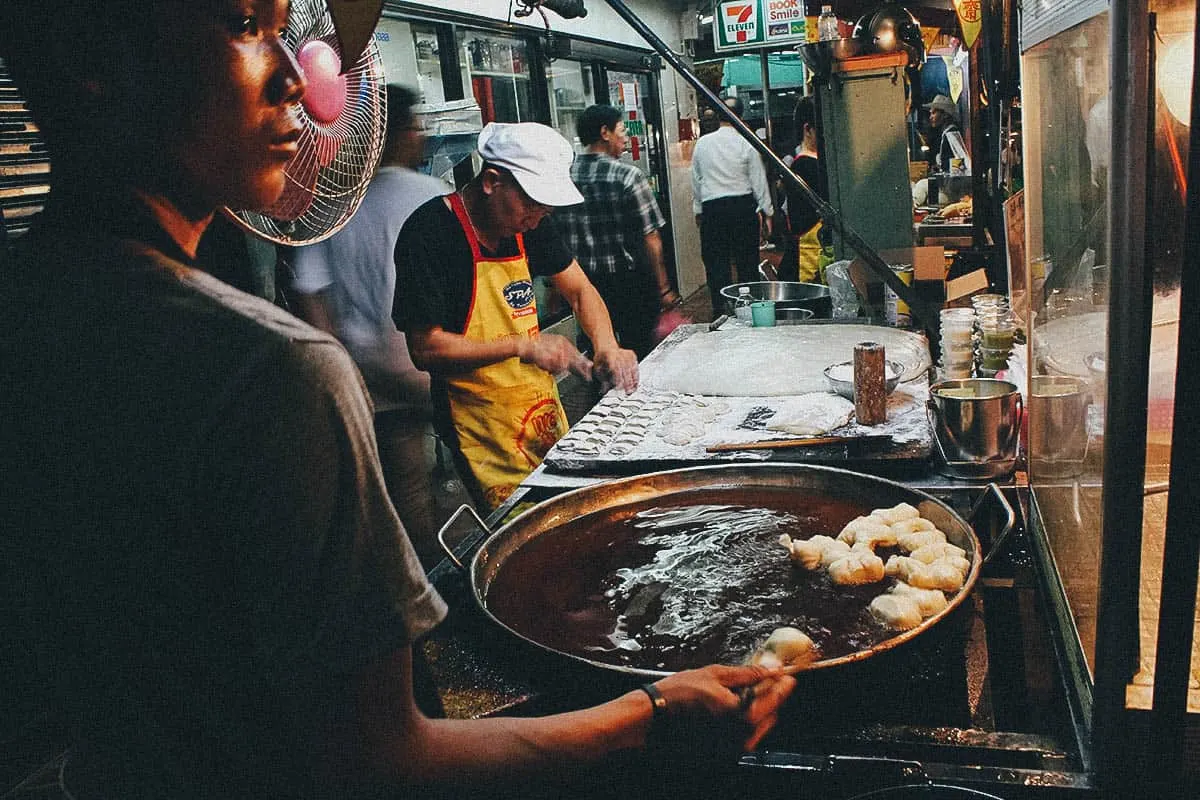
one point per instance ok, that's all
(786, 294)
(820, 56)
(976, 426)
(845, 388)
(792, 316)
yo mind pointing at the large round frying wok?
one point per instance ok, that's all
(553, 575)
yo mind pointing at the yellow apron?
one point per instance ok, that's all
(812, 256)
(507, 415)
(811, 268)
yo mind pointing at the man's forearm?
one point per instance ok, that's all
(443, 352)
(654, 256)
(593, 318)
(508, 747)
(667, 298)
(395, 742)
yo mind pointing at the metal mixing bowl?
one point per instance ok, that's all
(820, 56)
(792, 316)
(845, 388)
(786, 294)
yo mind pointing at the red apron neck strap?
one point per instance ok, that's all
(460, 210)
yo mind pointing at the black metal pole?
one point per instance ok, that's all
(1181, 550)
(1128, 362)
(925, 312)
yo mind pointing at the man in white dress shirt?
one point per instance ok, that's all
(732, 203)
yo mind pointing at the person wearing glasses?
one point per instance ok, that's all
(465, 266)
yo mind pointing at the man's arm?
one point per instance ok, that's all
(400, 744)
(758, 183)
(667, 297)
(617, 365)
(697, 182)
(435, 349)
(642, 204)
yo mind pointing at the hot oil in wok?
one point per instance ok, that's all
(700, 580)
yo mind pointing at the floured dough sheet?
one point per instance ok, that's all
(648, 426)
(770, 362)
(813, 414)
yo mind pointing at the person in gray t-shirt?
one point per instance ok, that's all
(205, 579)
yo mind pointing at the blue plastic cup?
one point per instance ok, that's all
(762, 313)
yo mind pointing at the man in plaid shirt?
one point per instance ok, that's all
(614, 232)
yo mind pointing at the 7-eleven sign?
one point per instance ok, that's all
(737, 24)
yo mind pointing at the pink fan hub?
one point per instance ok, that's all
(325, 96)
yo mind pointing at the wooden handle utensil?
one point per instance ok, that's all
(812, 441)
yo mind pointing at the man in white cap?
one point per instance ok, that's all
(465, 266)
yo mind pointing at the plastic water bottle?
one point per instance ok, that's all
(827, 25)
(741, 306)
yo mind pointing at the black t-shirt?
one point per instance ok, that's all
(800, 212)
(435, 272)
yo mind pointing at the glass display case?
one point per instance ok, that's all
(571, 91)
(1066, 209)
(499, 74)
(1106, 94)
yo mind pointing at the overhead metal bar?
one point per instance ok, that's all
(926, 313)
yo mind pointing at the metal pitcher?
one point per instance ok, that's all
(976, 426)
(1058, 439)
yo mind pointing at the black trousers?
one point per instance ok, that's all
(729, 232)
(633, 305)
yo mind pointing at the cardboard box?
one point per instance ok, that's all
(928, 263)
(959, 290)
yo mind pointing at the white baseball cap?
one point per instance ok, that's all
(537, 156)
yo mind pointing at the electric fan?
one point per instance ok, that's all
(344, 116)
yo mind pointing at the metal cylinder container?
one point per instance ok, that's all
(976, 426)
(1058, 438)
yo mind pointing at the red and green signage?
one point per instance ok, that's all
(741, 24)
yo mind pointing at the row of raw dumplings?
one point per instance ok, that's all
(932, 567)
(616, 424)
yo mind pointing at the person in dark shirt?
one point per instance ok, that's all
(803, 259)
(203, 575)
(464, 296)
